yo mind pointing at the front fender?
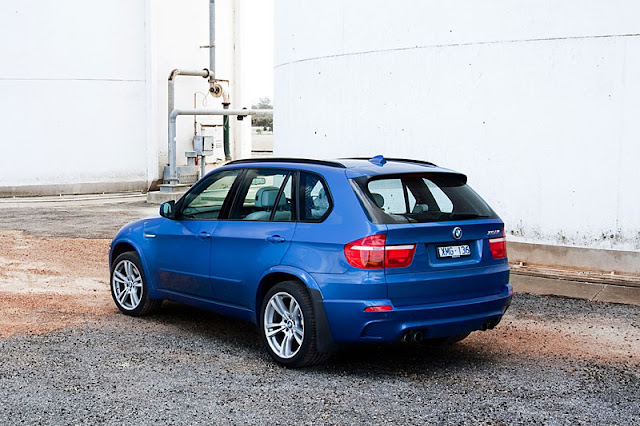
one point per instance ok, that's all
(139, 248)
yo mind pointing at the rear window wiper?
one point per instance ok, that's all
(455, 215)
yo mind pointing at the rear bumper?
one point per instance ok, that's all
(349, 322)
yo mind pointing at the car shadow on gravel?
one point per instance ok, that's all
(242, 338)
(194, 321)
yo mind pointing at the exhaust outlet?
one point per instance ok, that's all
(485, 326)
(417, 336)
(406, 337)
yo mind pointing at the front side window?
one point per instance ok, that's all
(265, 195)
(424, 198)
(206, 200)
(315, 201)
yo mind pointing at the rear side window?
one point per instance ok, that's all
(315, 201)
(432, 197)
(266, 195)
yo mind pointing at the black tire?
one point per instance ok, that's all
(446, 341)
(305, 353)
(129, 290)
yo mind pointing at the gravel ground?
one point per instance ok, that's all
(188, 366)
(87, 219)
(73, 359)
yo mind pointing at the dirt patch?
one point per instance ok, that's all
(43, 313)
(613, 342)
(51, 283)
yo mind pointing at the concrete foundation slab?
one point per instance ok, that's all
(159, 197)
(579, 290)
(537, 285)
(619, 294)
(624, 262)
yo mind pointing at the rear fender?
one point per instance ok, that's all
(324, 340)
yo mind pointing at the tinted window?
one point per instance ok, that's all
(424, 198)
(206, 200)
(265, 193)
(315, 201)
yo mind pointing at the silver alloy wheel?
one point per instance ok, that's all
(284, 325)
(127, 284)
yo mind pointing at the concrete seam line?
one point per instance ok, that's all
(69, 79)
(476, 43)
(595, 296)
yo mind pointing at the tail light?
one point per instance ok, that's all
(498, 247)
(373, 253)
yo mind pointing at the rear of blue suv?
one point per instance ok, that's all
(344, 251)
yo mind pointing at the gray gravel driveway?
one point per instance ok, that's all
(552, 361)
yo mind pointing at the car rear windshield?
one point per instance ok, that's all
(431, 197)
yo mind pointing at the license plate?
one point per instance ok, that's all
(454, 251)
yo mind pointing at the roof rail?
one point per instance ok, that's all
(289, 160)
(401, 160)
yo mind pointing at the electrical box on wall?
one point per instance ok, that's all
(212, 140)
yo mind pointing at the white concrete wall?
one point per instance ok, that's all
(83, 89)
(72, 86)
(537, 101)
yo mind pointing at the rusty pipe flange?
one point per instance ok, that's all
(216, 90)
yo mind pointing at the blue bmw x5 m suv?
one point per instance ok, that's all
(319, 253)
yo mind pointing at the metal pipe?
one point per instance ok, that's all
(171, 85)
(225, 134)
(212, 39)
(194, 73)
(173, 176)
(173, 173)
(256, 112)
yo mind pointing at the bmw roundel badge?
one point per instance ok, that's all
(457, 232)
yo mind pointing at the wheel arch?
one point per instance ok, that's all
(119, 248)
(276, 275)
(124, 245)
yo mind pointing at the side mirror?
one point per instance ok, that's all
(168, 209)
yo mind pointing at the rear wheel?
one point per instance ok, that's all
(287, 325)
(129, 286)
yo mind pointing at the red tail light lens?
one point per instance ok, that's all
(498, 247)
(372, 253)
(399, 256)
(367, 252)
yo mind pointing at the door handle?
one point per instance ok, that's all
(203, 235)
(275, 239)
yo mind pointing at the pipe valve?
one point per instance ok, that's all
(216, 90)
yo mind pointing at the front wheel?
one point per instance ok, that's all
(129, 286)
(288, 327)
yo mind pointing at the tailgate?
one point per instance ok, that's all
(446, 268)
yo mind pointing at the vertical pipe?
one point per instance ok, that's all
(212, 39)
(173, 175)
(225, 134)
(171, 94)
